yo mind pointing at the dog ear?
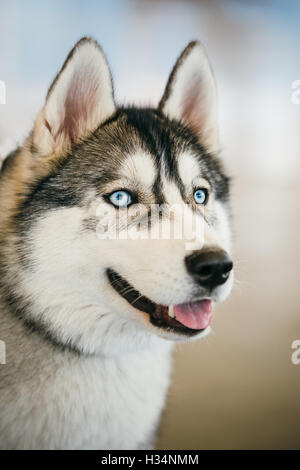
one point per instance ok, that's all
(78, 101)
(190, 95)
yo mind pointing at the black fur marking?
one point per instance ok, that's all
(165, 139)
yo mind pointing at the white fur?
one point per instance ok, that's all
(139, 167)
(188, 168)
(62, 401)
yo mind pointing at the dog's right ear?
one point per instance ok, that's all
(78, 101)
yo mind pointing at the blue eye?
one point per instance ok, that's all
(120, 198)
(200, 196)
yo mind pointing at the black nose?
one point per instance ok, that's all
(210, 267)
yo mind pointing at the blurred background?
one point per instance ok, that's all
(238, 388)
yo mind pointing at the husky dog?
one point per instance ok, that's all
(88, 321)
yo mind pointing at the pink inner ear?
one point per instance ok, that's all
(79, 104)
(192, 103)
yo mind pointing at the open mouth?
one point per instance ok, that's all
(187, 318)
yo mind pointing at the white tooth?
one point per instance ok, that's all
(171, 311)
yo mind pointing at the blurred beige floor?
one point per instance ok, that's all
(238, 387)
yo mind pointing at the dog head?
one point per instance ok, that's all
(121, 226)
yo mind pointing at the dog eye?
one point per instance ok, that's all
(120, 198)
(200, 196)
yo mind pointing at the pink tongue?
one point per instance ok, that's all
(195, 315)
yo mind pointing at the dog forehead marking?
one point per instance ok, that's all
(170, 189)
(139, 167)
(188, 168)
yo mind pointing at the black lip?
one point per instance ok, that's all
(158, 313)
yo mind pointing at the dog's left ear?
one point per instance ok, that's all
(190, 95)
(78, 101)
